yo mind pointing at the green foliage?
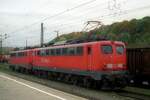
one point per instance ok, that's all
(134, 32)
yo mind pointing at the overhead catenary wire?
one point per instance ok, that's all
(118, 14)
(27, 27)
(127, 11)
(55, 15)
(70, 19)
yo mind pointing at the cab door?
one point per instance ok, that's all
(89, 57)
(120, 56)
(30, 58)
(107, 55)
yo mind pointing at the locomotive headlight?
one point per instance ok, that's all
(120, 65)
(109, 66)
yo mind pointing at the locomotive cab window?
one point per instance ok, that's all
(33, 53)
(42, 53)
(25, 54)
(13, 54)
(107, 49)
(119, 49)
(47, 52)
(38, 53)
(52, 52)
(71, 51)
(22, 54)
(89, 50)
(58, 51)
(64, 51)
(79, 50)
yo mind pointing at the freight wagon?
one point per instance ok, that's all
(138, 62)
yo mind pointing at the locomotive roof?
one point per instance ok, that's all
(79, 44)
(68, 45)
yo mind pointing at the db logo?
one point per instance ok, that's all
(44, 60)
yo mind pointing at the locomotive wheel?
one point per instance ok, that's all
(61, 77)
(49, 76)
(80, 81)
(44, 74)
(35, 72)
(75, 80)
(86, 83)
(67, 78)
(97, 84)
(54, 76)
(105, 84)
(138, 82)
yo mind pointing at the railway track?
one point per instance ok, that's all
(133, 95)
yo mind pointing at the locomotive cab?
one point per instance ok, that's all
(113, 62)
(114, 56)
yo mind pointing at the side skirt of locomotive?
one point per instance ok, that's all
(103, 80)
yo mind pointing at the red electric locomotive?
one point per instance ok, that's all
(21, 59)
(102, 62)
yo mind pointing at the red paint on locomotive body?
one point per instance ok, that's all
(99, 56)
(22, 58)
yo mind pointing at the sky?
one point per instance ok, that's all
(21, 19)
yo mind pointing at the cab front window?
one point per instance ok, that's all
(119, 49)
(107, 49)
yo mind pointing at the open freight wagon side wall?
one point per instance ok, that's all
(138, 62)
